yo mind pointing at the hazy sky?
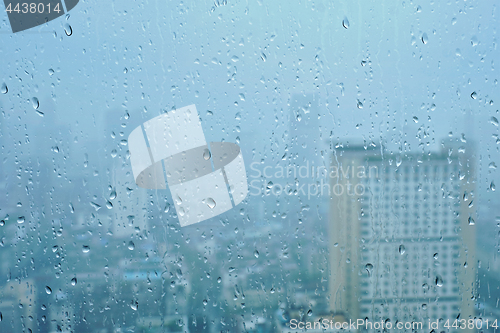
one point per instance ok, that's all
(422, 60)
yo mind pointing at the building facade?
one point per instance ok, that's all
(402, 235)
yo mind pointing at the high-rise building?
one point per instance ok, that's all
(402, 235)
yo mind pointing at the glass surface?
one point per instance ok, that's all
(249, 166)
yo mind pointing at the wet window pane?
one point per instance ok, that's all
(230, 166)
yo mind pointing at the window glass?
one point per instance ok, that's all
(249, 166)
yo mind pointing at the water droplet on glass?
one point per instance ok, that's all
(134, 305)
(68, 30)
(369, 269)
(492, 186)
(473, 95)
(206, 154)
(256, 253)
(439, 281)
(73, 281)
(345, 23)
(419, 9)
(181, 211)
(20, 219)
(235, 58)
(48, 290)
(310, 312)
(112, 195)
(425, 38)
(474, 41)
(2, 223)
(424, 306)
(402, 249)
(35, 103)
(219, 279)
(415, 119)
(109, 205)
(359, 104)
(131, 245)
(211, 203)
(494, 121)
(96, 206)
(471, 221)
(85, 249)
(205, 302)
(263, 56)
(4, 89)
(436, 256)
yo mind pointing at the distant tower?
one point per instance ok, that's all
(402, 235)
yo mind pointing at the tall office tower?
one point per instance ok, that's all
(402, 235)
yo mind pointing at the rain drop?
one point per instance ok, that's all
(310, 312)
(112, 195)
(73, 281)
(256, 253)
(369, 269)
(206, 154)
(20, 219)
(473, 95)
(471, 221)
(494, 121)
(402, 249)
(181, 211)
(134, 305)
(345, 23)
(85, 249)
(95, 205)
(35, 103)
(425, 38)
(48, 290)
(359, 104)
(492, 186)
(439, 281)
(131, 246)
(68, 30)
(4, 89)
(211, 203)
